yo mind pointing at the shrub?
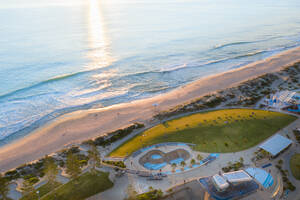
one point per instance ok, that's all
(32, 179)
(116, 135)
(83, 163)
(199, 157)
(153, 194)
(193, 161)
(120, 164)
(12, 175)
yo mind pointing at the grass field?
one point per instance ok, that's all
(43, 190)
(295, 165)
(84, 186)
(227, 130)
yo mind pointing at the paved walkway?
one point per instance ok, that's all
(295, 148)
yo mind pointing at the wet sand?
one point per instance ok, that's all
(82, 125)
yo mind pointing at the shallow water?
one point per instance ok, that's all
(61, 56)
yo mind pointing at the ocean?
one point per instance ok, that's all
(58, 57)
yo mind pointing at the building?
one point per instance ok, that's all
(237, 177)
(220, 183)
(231, 185)
(276, 144)
(284, 99)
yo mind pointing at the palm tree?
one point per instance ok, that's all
(182, 164)
(51, 171)
(73, 166)
(199, 157)
(173, 166)
(193, 162)
(241, 159)
(94, 157)
(4, 183)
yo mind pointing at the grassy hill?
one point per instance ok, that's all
(228, 130)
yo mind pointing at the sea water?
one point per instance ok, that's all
(58, 56)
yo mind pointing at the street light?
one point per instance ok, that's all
(38, 194)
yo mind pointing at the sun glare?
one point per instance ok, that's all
(98, 41)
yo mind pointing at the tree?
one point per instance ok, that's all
(94, 157)
(199, 157)
(4, 183)
(131, 193)
(193, 162)
(182, 163)
(241, 159)
(28, 190)
(152, 194)
(173, 166)
(73, 166)
(51, 171)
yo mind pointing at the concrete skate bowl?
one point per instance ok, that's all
(156, 159)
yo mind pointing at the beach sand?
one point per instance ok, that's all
(81, 125)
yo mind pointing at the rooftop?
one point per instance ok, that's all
(220, 181)
(275, 144)
(237, 176)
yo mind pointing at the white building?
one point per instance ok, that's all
(222, 182)
(237, 177)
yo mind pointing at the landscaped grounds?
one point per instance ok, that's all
(43, 190)
(84, 186)
(227, 130)
(295, 165)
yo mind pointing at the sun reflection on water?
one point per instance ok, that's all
(98, 41)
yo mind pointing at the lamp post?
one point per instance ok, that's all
(38, 194)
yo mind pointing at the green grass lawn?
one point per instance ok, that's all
(295, 165)
(43, 190)
(84, 186)
(228, 130)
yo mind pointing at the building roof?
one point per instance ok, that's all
(275, 144)
(237, 176)
(220, 182)
(284, 98)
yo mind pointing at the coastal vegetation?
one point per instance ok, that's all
(51, 171)
(114, 136)
(28, 190)
(227, 130)
(36, 169)
(73, 166)
(4, 183)
(295, 165)
(94, 157)
(246, 94)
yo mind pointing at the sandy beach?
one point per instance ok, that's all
(82, 125)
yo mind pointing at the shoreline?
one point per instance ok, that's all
(76, 127)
